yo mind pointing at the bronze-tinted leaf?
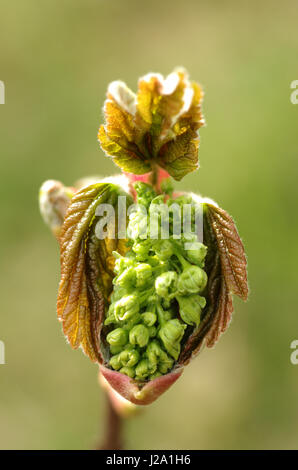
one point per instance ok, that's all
(119, 138)
(159, 125)
(86, 269)
(230, 247)
(180, 155)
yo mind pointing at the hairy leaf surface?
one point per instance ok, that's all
(159, 125)
(86, 269)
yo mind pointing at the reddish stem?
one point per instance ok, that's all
(113, 429)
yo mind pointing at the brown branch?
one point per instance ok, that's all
(113, 429)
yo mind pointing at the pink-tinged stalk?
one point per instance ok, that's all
(123, 407)
(148, 393)
(147, 178)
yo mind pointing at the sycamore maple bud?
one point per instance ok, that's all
(197, 253)
(118, 337)
(115, 349)
(126, 278)
(157, 356)
(145, 368)
(190, 308)
(153, 351)
(139, 335)
(116, 295)
(143, 274)
(171, 334)
(152, 331)
(142, 133)
(149, 318)
(141, 250)
(126, 307)
(192, 280)
(121, 263)
(164, 249)
(137, 227)
(115, 362)
(166, 285)
(165, 364)
(129, 357)
(132, 321)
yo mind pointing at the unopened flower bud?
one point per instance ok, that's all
(126, 307)
(190, 308)
(129, 357)
(164, 249)
(197, 253)
(149, 318)
(157, 356)
(115, 349)
(134, 320)
(121, 263)
(153, 351)
(139, 335)
(166, 285)
(126, 278)
(145, 368)
(116, 295)
(117, 337)
(143, 274)
(142, 249)
(115, 362)
(137, 227)
(171, 334)
(192, 280)
(165, 363)
(152, 331)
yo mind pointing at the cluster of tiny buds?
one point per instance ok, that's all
(156, 295)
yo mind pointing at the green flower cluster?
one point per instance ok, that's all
(156, 292)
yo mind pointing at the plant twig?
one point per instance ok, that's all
(113, 439)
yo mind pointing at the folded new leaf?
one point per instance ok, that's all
(157, 126)
(86, 268)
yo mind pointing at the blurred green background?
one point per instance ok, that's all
(56, 59)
